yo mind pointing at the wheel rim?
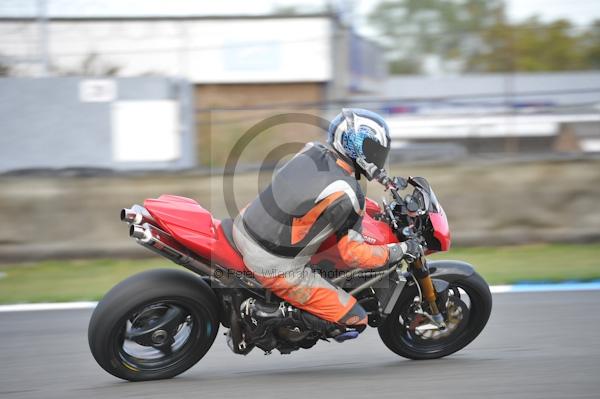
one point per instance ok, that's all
(159, 335)
(419, 335)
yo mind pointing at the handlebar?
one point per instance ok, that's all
(394, 184)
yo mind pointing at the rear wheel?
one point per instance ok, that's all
(154, 325)
(410, 334)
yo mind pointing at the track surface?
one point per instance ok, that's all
(542, 345)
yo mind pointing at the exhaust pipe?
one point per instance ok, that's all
(130, 216)
(138, 232)
(164, 244)
(136, 215)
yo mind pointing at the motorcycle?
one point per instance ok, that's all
(159, 323)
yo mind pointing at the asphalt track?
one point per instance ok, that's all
(536, 345)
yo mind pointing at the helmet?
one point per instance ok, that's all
(361, 136)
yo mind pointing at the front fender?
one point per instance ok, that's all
(450, 270)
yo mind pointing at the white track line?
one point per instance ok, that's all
(500, 289)
(27, 307)
(495, 289)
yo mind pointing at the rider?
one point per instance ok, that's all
(316, 195)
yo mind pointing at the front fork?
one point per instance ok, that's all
(421, 272)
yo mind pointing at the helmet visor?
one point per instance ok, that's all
(374, 152)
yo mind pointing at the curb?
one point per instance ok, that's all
(495, 289)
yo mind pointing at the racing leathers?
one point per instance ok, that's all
(315, 195)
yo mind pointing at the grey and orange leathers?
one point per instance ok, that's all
(315, 195)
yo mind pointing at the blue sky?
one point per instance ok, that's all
(581, 12)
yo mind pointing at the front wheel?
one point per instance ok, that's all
(154, 325)
(410, 334)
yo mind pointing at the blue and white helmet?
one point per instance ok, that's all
(362, 136)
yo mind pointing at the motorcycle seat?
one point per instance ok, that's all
(227, 227)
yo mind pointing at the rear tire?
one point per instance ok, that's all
(142, 300)
(403, 342)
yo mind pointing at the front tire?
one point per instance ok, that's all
(400, 335)
(154, 325)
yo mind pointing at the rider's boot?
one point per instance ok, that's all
(309, 321)
(339, 332)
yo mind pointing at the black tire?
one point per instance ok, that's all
(400, 341)
(155, 290)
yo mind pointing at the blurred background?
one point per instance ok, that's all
(106, 103)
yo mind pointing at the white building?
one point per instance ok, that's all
(204, 49)
(233, 62)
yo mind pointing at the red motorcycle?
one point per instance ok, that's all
(159, 323)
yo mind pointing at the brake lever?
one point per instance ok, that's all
(392, 184)
(390, 214)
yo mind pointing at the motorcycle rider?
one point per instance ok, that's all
(313, 196)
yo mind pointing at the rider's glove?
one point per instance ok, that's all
(409, 250)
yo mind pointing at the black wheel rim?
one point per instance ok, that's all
(159, 335)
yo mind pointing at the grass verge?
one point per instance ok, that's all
(59, 281)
